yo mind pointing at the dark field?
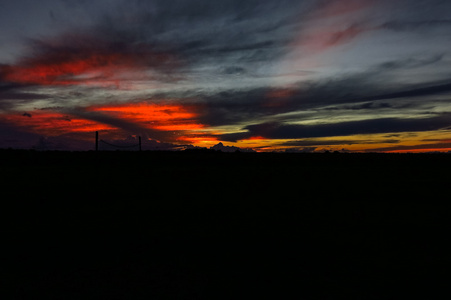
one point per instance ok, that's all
(206, 225)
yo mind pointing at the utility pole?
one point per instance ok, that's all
(139, 139)
(97, 141)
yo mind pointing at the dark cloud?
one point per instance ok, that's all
(230, 107)
(384, 125)
(415, 92)
(416, 25)
(12, 94)
(20, 95)
(359, 92)
(410, 63)
(365, 105)
(234, 70)
(204, 31)
(304, 143)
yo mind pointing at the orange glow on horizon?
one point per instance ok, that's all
(183, 127)
(199, 140)
(444, 150)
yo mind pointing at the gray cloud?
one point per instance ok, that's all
(410, 63)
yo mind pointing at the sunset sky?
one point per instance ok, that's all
(301, 75)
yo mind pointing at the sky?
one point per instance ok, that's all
(283, 75)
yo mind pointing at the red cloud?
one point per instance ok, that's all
(52, 123)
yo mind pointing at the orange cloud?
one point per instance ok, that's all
(175, 122)
(180, 121)
(165, 117)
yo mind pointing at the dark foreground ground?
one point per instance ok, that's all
(203, 225)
